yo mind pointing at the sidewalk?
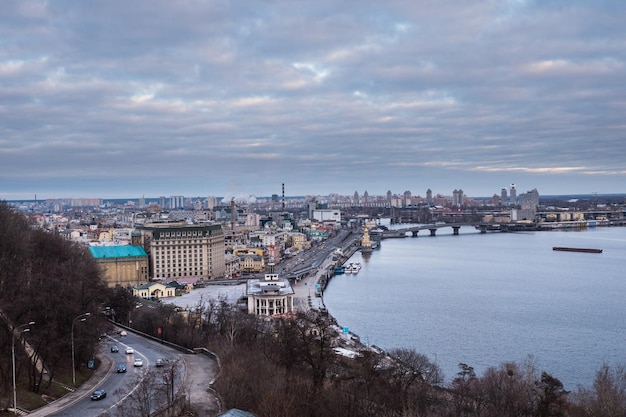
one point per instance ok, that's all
(201, 372)
(105, 368)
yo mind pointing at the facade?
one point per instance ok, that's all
(269, 296)
(326, 215)
(251, 260)
(184, 252)
(121, 265)
(232, 266)
(154, 290)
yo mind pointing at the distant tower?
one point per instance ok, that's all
(232, 214)
(503, 196)
(389, 198)
(283, 196)
(355, 199)
(162, 202)
(513, 194)
(429, 197)
(455, 197)
(460, 197)
(406, 201)
(366, 198)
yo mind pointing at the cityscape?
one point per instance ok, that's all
(274, 256)
(312, 209)
(245, 234)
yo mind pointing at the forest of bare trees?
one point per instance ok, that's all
(48, 281)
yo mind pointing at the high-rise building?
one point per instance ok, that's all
(406, 201)
(529, 200)
(513, 194)
(211, 202)
(429, 197)
(503, 196)
(182, 251)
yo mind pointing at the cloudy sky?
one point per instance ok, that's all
(116, 99)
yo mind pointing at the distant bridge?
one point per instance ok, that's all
(432, 228)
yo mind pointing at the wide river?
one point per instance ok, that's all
(485, 299)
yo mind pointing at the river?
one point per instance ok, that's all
(485, 299)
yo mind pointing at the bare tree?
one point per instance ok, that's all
(607, 397)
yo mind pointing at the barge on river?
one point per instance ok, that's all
(584, 250)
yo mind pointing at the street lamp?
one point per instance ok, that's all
(19, 330)
(80, 317)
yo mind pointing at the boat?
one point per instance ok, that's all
(584, 250)
(348, 269)
(340, 270)
(356, 267)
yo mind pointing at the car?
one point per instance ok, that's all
(130, 350)
(121, 368)
(159, 362)
(114, 349)
(138, 362)
(123, 333)
(98, 394)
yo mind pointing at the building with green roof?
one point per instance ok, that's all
(123, 265)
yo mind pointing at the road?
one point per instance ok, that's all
(122, 388)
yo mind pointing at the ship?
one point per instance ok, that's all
(584, 250)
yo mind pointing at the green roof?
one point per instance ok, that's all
(122, 251)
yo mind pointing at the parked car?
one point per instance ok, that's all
(130, 350)
(98, 394)
(114, 349)
(138, 362)
(121, 368)
(159, 362)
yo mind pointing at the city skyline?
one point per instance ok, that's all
(121, 100)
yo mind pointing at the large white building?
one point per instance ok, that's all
(269, 296)
(324, 215)
(184, 252)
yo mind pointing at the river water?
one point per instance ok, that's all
(485, 299)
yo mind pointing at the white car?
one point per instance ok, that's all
(138, 362)
(130, 350)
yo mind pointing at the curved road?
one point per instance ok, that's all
(196, 373)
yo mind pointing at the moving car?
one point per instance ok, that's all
(114, 349)
(121, 368)
(138, 362)
(98, 394)
(159, 362)
(130, 350)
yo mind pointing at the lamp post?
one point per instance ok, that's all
(80, 317)
(19, 330)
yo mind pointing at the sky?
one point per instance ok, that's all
(123, 99)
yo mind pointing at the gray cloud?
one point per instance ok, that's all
(120, 99)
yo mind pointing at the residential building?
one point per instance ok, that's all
(251, 260)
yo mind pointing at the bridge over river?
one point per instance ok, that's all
(432, 228)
